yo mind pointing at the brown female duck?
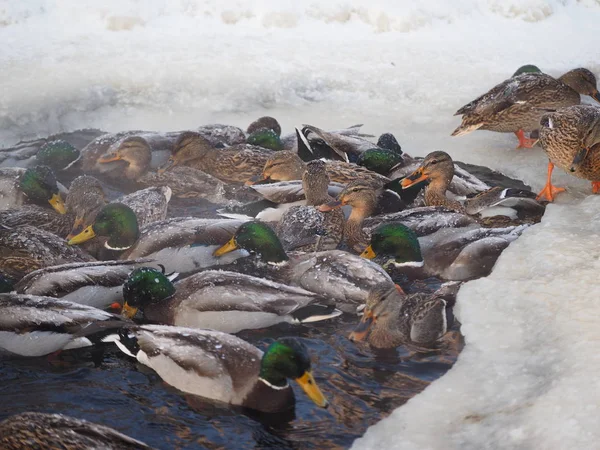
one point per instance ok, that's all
(571, 139)
(517, 104)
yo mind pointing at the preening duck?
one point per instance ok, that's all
(36, 185)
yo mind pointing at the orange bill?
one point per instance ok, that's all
(416, 177)
(330, 206)
(128, 311)
(368, 253)
(109, 157)
(361, 331)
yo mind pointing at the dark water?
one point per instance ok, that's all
(104, 386)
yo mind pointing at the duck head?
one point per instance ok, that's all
(135, 152)
(258, 239)
(437, 168)
(583, 81)
(266, 138)
(395, 243)
(288, 358)
(527, 68)
(145, 285)
(39, 185)
(591, 139)
(116, 222)
(284, 166)
(265, 122)
(58, 155)
(389, 142)
(383, 304)
(379, 160)
(85, 200)
(360, 195)
(315, 182)
(188, 147)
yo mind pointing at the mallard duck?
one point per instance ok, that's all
(54, 153)
(438, 169)
(220, 300)
(34, 430)
(222, 367)
(392, 318)
(366, 198)
(517, 104)
(527, 68)
(181, 244)
(305, 227)
(84, 200)
(36, 185)
(571, 139)
(235, 164)
(334, 274)
(25, 249)
(37, 326)
(331, 145)
(265, 138)
(287, 165)
(98, 284)
(264, 123)
(454, 254)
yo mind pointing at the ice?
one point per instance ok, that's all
(526, 378)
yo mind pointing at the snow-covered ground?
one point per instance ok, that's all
(527, 376)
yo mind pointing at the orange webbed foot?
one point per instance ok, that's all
(525, 142)
(596, 187)
(549, 192)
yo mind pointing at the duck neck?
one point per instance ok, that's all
(354, 234)
(138, 166)
(435, 195)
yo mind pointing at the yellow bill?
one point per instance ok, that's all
(82, 237)
(77, 228)
(229, 247)
(58, 204)
(128, 311)
(368, 253)
(309, 385)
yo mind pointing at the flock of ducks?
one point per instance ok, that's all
(305, 227)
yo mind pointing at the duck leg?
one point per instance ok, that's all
(596, 187)
(549, 190)
(523, 141)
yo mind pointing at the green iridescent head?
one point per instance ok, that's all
(288, 358)
(267, 122)
(116, 222)
(39, 185)
(528, 68)
(257, 238)
(395, 243)
(145, 285)
(6, 284)
(379, 160)
(57, 154)
(265, 138)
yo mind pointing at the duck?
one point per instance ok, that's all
(235, 164)
(570, 138)
(517, 104)
(306, 228)
(220, 300)
(392, 318)
(26, 248)
(438, 169)
(98, 283)
(180, 244)
(334, 274)
(527, 68)
(84, 200)
(37, 326)
(57, 154)
(320, 143)
(366, 198)
(265, 138)
(264, 123)
(223, 367)
(450, 254)
(36, 185)
(286, 165)
(37, 430)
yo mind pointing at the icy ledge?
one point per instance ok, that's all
(528, 376)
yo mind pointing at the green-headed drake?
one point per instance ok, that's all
(220, 300)
(334, 274)
(58, 155)
(265, 138)
(21, 431)
(392, 318)
(180, 244)
(517, 104)
(36, 185)
(222, 367)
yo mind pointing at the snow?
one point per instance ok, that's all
(526, 377)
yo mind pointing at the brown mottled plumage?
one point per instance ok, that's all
(287, 165)
(236, 164)
(518, 103)
(39, 431)
(571, 139)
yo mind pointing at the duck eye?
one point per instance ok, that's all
(434, 161)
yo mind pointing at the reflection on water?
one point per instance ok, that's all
(106, 387)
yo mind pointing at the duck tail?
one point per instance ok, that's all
(466, 128)
(315, 313)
